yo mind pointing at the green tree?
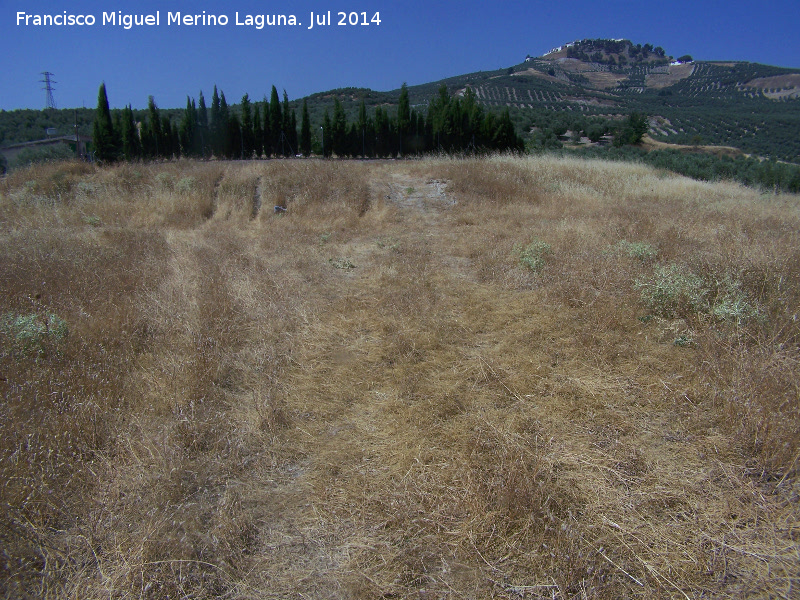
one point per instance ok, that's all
(381, 133)
(131, 145)
(339, 129)
(157, 135)
(286, 127)
(147, 139)
(403, 116)
(202, 125)
(103, 137)
(234, 144)
(326, 132)
(227, 143)
(275, 122)
(217, 130)
(595, 132)
(188, 128)
(267, 131)
(293, 142)
(361, 129)
(438, 119)
(171, 137)
(248, 140)
(632, 130)
(258, 131)
(305, 131)
(505, 136)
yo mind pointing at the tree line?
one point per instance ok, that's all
(266, 129)
(602, 51)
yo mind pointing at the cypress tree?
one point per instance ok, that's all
(293, 132)
(506, 137)
(131, 145)
(439, 119)
(188, 126)
(172, 137)
(202, 125)
(258, 131)
(216, 125)
(234, 144)
(267, 129)
(275, 122)
(157, 138)
(226, 142)
(248, 143)
(381, 130)
(473, 115)
(403, 116)
(165, 144)
(146, 135)
(339, 126)
(286, 128)
(194, 150)
(361, 130)
(362, 115)
(305, 131)
(117, 128)
(105, 146)
(422, 132)
(369, 137)
(353, 140)
(326, 131)
(393, 138)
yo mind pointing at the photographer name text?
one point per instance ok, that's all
(179, 19)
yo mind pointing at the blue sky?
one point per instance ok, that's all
(416, 42)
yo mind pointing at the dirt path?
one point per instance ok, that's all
(420, 193)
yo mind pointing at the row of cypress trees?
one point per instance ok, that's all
(259, 129)
(453, 124)
(270, 129)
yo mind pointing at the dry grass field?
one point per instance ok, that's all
(500, 378)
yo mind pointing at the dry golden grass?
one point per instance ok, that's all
(372, 395)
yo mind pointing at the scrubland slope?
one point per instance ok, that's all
(500, 378)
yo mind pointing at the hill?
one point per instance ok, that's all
(750, 106)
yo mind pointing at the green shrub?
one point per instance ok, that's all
(673, 291)
(731, 303)
(92, 220)
(165, 181)
(85, 188)
(185, 184)
(32, 156)
(533, 255)
(342, 263)
(29, 333)
(644, 252)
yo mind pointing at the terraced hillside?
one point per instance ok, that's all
(750, 106)
(734, 104)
